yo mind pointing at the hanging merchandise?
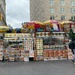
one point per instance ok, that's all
(52, 25)
(6, 50)
(20, 46)
(28, 46)
(1, 47)
(32, 26)
(28, 27)
(39, 49)
(1, 50)
(66, 25)
(15, 47)
(55, 27)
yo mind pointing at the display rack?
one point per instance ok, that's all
(15, 49)
(1, 47)
(40, 36)
(53, 45)
(20, 46)
(57, 45)
(39, 49)
(1, 50)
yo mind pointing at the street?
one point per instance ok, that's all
(61, 67)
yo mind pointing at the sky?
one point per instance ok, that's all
(17, 12)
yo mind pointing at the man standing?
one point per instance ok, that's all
(72, 47)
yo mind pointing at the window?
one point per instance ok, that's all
(51, 17)
(62, 2)
(63, 17)
(72, 3)
(72, 10)
(52, 10)
(61, 9)
(73, 18)
(51, 2)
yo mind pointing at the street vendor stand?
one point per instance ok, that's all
(32, 27)
(20, 46)
(67, 26)
(3, 29)
(54, 48)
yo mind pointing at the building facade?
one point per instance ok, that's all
(3, 12)
(43, 10)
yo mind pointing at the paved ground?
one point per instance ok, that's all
(65, 67)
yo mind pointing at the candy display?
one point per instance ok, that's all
(39, 48)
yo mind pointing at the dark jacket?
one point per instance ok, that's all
(72, 45)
